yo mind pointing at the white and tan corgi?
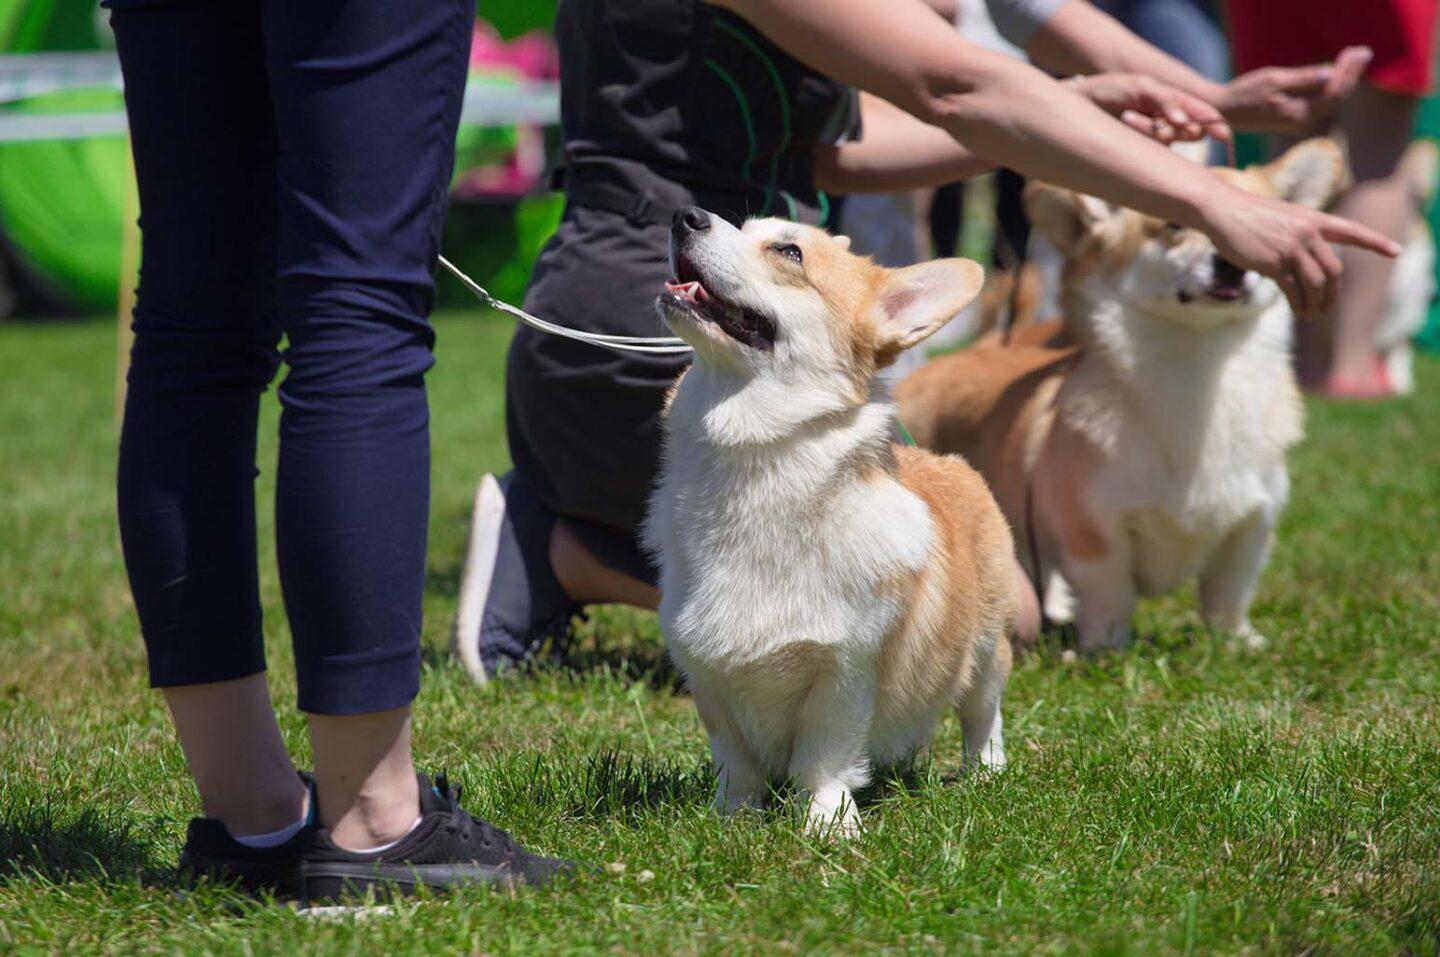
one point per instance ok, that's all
(1154, 452)
(827, 595)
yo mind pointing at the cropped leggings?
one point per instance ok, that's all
(293, 161)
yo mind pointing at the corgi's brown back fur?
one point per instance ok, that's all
(965, 597)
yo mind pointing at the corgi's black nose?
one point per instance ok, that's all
(689, 219)
(1227, 273)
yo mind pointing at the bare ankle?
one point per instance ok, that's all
(260, 810)
(364, 776)
(381, 812)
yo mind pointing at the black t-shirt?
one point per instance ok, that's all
(683, 102)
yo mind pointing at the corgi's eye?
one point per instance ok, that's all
(789, 251)
(1173, 228)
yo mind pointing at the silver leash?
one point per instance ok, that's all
(654, 345)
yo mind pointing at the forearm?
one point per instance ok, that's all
(1003, 110)
(1081, 38)
(896, 153)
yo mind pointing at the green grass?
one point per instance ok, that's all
(1181, 797)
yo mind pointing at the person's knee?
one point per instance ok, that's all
(355, 341)
(176, 363)
(1378, 126)
(586, 579)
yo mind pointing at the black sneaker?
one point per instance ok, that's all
(448, 848)
(211, 853)
(511, 604)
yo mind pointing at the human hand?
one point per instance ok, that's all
(1160, 111)
(1288, 243)
(1286, 99)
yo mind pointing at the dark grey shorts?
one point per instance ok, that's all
(584, 422)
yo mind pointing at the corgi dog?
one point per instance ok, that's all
(1152, 450)
(827, 594)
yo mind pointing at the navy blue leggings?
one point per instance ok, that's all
(293, 160)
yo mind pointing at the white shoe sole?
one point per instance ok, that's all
(486, 521)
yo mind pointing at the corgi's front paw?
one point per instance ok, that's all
(832, 813)
(1249, 638)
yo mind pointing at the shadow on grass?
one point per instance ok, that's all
(95, 844)
(1055, 640)
(631, 658)
(605, 785)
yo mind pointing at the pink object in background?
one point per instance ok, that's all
(527, 58)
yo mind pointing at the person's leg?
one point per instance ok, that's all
(235, 753)
(204, 350)
(1377, 127)
(947, 211)
(367, 99)
(1185, 30)
(365, 776)
(589, 581)
(584, 433)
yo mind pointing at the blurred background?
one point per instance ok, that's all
(66, 188)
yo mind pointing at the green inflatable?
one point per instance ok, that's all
(61, 200)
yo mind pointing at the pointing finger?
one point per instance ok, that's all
(1350, 233)
(1350, 64)
(1333, 271)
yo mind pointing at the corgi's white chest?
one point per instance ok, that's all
(780, 547)
(1194, 431)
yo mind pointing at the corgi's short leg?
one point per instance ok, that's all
(1104, 588)
(1400, 363)
(1059, 598)
(828, 758)
(740, 781)
(1228, 581)
(979, 710)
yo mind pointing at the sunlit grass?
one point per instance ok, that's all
(1181, 797)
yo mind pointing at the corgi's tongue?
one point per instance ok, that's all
(691, 292)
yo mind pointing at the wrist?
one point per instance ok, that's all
(1199, 201)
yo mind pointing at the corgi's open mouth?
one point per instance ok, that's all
(688, 295)
(1226, 292)
(1227, 285)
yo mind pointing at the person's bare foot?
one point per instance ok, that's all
(1374, 384)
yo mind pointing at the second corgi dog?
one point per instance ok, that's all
(1156, 452)
(827, 595)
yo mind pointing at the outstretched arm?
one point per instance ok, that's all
(899, 152)
(1081, 38)
(1013, 114)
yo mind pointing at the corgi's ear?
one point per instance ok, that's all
(842, 241)
(1310, 173)
(1065, 217)
(913, 302)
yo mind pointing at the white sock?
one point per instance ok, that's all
(386, 847)
(276, 838)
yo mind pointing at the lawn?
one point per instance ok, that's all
(1181, 797)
